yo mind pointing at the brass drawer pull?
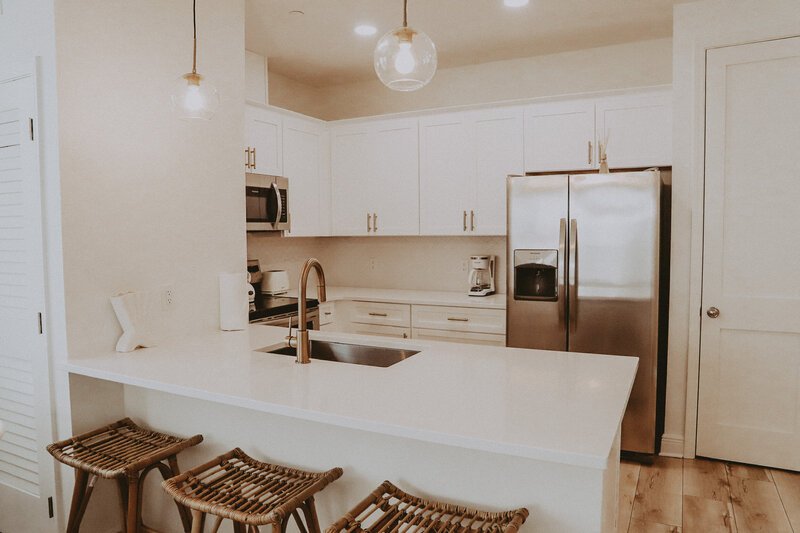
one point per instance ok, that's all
(378, 314)
(457, 319)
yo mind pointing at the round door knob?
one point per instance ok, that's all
(712, 312)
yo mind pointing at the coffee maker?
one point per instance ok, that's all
(481, 275)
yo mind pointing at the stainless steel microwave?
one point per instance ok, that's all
(267, 200)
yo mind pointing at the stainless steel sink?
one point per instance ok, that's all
(348, 353)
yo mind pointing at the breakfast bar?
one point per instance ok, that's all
(489, 427)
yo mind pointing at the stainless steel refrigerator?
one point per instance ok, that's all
(583, 276)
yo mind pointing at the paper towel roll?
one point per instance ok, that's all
(233, 306)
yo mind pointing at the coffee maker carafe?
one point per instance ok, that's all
(481, 275)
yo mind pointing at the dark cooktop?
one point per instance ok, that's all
(267, 306)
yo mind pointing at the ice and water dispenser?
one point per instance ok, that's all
(536, 275)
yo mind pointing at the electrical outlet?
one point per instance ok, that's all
(167, 297)
(464, 265)
(373, 264)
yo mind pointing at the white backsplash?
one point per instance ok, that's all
(422, 263)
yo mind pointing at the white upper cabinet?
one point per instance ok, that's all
(375, 178)
(395, 189)
(264, 141)
(446, 174)
(464, 160)
(636, 130)
(560, 136)
(306, 165)
(498, 152)
(351, 180)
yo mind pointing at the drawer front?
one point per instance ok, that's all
(486, 339)
(381, 314)
(326, 313)
(465, 319)
(381, 331)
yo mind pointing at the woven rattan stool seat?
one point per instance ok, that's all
(127, 453)
(247, 491)
(119, 448)
(390, 510)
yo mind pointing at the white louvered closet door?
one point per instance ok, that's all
(26, 470)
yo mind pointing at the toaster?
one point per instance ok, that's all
(274, 282)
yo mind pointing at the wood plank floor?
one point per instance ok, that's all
(706, 496)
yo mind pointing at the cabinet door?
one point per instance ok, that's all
(393, 186)
(486, 339)
(381, 331)
(636, 131)
(560, 136)
(497, 152)
(306, 167)
(351, 179)
(263, 135)
(446, 175)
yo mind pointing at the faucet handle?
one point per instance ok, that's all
(289, 338)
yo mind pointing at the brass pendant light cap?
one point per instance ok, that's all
(405, 34)
(193, 78)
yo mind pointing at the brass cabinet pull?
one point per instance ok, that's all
(465, 221)
(254, 157)
(247, 154)
(368, 219)
(405, 335)
(374, 222)
(327, 313)
(378, 314)
(453, 319)
(472, 220)
(590, 152)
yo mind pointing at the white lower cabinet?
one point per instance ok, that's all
(381, 314)
(466, 319)
(327, 314)
(381, 331)
(464, 337)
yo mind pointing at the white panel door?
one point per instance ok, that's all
(636, 130)
(497, 152)
(352, 151)
(749, 396)
(26, 470)
(263, 136)
(394, 187)
(446, 175)
(306, 168)
(559, 136)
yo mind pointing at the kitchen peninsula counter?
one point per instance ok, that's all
(549, 417)
(409, 296)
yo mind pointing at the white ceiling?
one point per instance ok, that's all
(320, 48)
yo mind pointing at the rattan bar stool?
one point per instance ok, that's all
(127, 453)
(390, 510)
(250, 493)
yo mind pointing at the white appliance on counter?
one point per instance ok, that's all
(274, 282)
(481, 275)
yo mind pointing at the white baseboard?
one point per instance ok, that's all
(671, 445)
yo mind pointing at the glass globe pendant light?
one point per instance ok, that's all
(405, 59)
(194, 97)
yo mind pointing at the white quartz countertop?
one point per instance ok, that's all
(550, 406)
(404, 296)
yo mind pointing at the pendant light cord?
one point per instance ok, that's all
(405, 13)
(194, 34)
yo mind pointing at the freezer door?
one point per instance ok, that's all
(613, 283)
(536, 277)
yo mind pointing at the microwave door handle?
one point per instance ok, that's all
(280, 204)
(562, 255)
(573, 274)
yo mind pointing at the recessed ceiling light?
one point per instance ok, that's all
(516, 3)
(365, 29)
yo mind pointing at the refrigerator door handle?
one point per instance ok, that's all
(573, 274)
(562, 268)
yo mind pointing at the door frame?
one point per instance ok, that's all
(698, 28)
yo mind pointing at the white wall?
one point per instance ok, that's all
(148, 200)
(697, 27)
(598, 69)
(424, 263)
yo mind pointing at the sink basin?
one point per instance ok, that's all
(348, 353)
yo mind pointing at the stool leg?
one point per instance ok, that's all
(198, 521)
(252, 529)
(186, 518)
(310, 512)
(85, 500)
(299, 522)
(122, 485)
(238, 527)
(132, 522)
(78, 495)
